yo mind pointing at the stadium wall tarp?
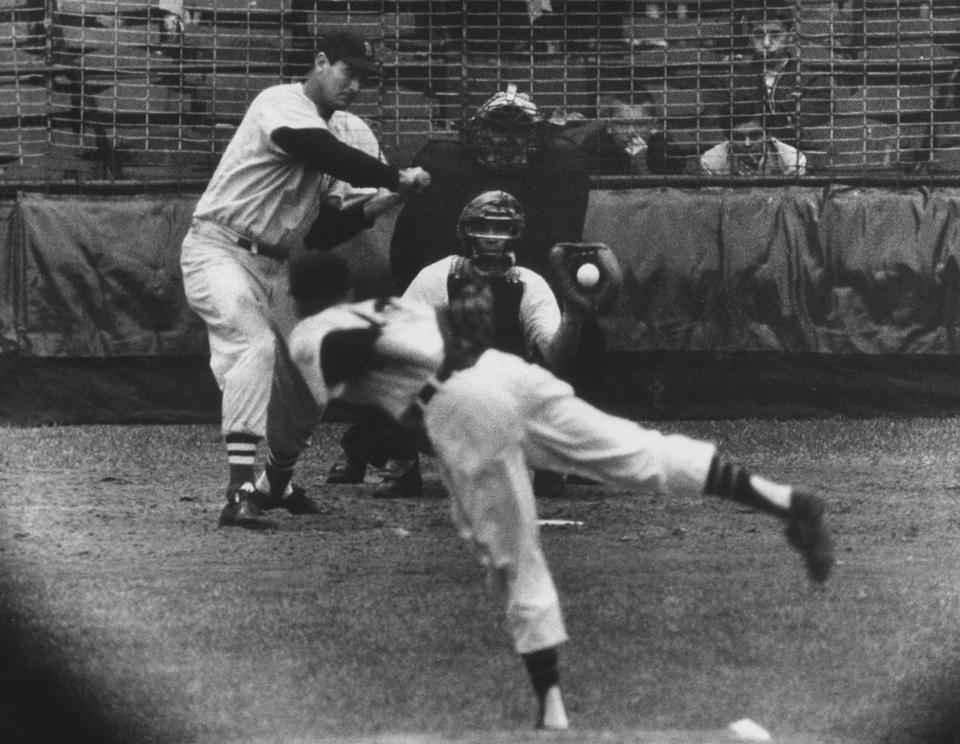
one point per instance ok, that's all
(808, 284)
(839, 271)
(100, 277)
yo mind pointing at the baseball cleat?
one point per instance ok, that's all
(295, 501)
(807, 533)
(350, 471)
(242, 510)
(402, 480)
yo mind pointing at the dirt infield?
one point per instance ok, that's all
(126, 615)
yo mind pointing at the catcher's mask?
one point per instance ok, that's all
(488, 228)
(506, 132)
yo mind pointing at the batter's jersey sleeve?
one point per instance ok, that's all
(258, 190)
(354, 131)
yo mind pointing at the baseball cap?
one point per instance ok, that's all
(351, 48)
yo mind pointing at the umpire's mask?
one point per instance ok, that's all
(506, 133)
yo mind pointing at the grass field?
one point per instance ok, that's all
(127, 616)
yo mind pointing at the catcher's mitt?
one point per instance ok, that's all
(565, 261)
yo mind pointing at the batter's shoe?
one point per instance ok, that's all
(242, 510)
(353, 470)
(807, 533)
(295, 501)
(401, 480)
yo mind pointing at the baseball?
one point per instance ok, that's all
(588, 275)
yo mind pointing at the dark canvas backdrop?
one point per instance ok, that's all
(735, 302)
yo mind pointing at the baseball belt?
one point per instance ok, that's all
(259, 249)
(222, 232)
(412, 417)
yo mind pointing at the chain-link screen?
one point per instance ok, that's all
(148, 92)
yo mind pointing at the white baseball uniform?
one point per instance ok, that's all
(262, 198)
(539, 313)
(488, 425)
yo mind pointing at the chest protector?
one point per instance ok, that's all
(507, 291)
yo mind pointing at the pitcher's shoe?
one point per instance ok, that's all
(807, 533)
(401, 480)
(352, 470)
(552, 715)
(295, 501)
(242, 510)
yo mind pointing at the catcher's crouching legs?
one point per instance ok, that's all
(351, 468)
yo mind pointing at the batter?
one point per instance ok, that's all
(287, 180)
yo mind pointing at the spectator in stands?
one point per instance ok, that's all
(796, 95)
(750, 150)
(499, 27)
(765, 46)
(505, 146)
(764, 32)
(577, 25)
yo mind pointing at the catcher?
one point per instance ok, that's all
(527, 321)
(507, 144)
(489, 416)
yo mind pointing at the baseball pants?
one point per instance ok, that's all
(490, 424)
(238, 295)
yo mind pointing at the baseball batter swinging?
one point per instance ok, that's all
(489, 417)
(281, 180)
